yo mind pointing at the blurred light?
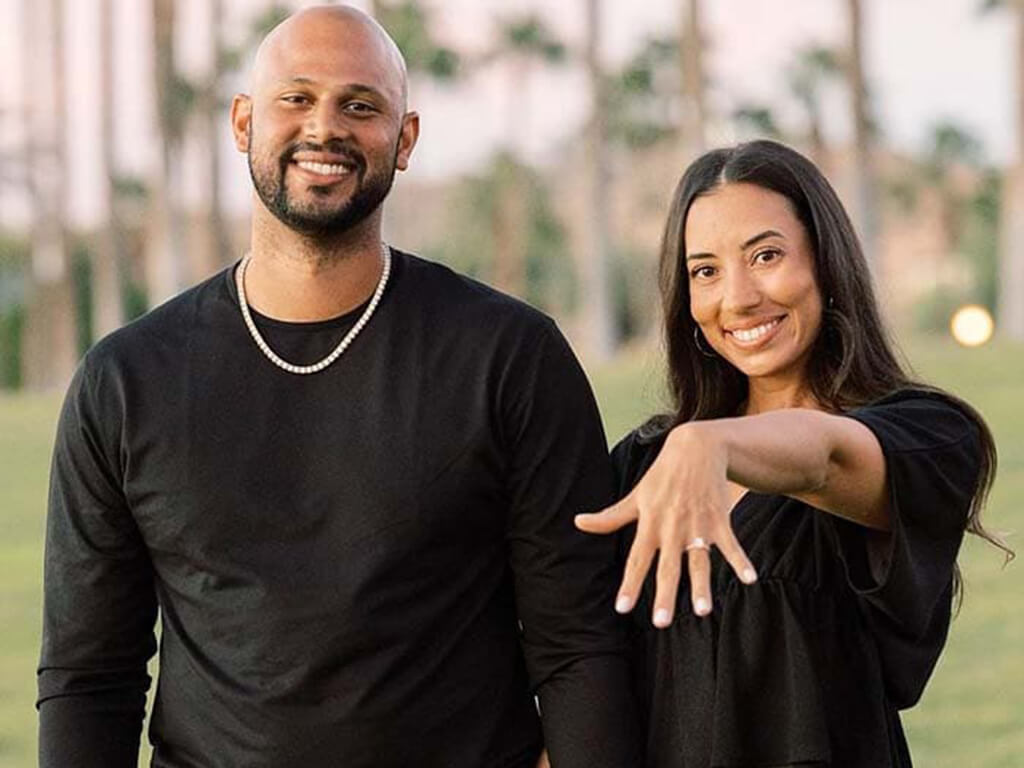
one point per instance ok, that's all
(972, 325)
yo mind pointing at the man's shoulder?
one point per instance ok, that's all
(456, 293)
(167, 325)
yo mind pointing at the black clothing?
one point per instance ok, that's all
(341, 561)
(810, 664)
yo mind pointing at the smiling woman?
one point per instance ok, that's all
(796, 437)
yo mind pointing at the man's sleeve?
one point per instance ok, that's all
(574, 642)
(99, 601)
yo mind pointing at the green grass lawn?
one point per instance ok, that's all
(971, 715)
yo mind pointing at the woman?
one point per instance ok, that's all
(798, 438)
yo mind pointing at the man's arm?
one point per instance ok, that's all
(574, 643)
(99, 601)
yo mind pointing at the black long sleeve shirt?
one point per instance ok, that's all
(374, 565)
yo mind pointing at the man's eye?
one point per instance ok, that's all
(359, 108)
(295, 98)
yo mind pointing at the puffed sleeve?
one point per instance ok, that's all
(933, 457)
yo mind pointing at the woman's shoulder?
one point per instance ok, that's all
(918, 418)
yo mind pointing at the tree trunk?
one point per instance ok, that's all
(598, 313)
(865, 204)
(1011, 263)
(217, 248)
(510, 226)
(49, 348)
(107, 307)
(165, 273)
(694, 116)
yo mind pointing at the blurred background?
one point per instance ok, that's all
(553, 135)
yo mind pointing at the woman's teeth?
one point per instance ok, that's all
(753, 334)
(323, 169)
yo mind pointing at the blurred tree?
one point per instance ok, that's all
(643, 96)
(694, 113)
(474, 248)
(217, 249)
(409, 24)
(865, 208)
(951, 176)
(14, 256)
(522, 43)
(813, 67)
(48, 344)
(107, 308)
(598, 323)
(756, 121)
(1011, 263)
(165, 268)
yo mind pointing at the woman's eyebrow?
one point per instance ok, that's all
(762, 236)
(752, 241)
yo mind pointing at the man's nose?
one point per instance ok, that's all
(324, 122)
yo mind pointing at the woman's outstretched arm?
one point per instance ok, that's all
(682, 504)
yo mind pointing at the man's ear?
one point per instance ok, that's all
(407, 139)
(241, 121)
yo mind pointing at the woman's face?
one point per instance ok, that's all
(753, 290)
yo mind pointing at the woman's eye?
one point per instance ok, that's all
(704, 271)
(766, 256)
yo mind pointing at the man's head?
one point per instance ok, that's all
(325, 125)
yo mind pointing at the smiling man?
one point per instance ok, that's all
(344, 477)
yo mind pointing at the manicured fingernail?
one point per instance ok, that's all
(701, 607)
(748, 576)
(623, 604)
(662, 617)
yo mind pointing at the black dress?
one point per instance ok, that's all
(810, 665)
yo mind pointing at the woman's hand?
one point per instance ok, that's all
(681, 507)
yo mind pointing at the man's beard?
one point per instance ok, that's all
(370, 191)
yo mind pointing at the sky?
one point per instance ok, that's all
(926, 60)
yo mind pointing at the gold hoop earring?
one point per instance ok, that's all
(699, 346)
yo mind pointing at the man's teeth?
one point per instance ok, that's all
(753, 334)
(323, 168)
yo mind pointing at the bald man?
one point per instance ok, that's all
(343, 476)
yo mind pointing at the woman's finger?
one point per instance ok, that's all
(637, 564)
(699, 564)
(610, 519)
(670, 564)
(733, 553)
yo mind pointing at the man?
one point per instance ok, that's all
(346, 476)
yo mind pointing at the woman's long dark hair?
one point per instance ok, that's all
(852, 361)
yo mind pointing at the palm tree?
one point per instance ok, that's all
(808, 75)
(210, 111)
(598, 325)
(523, 42)
(49, 337)
(1011, 263)
(107, 307)
(865, 208)
(694, 114)
(409, 24)
(165, 269)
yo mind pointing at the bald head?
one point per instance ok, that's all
(338, 29)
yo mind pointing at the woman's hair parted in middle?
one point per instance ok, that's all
(852, 361)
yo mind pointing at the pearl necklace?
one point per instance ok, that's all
(345, 342)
